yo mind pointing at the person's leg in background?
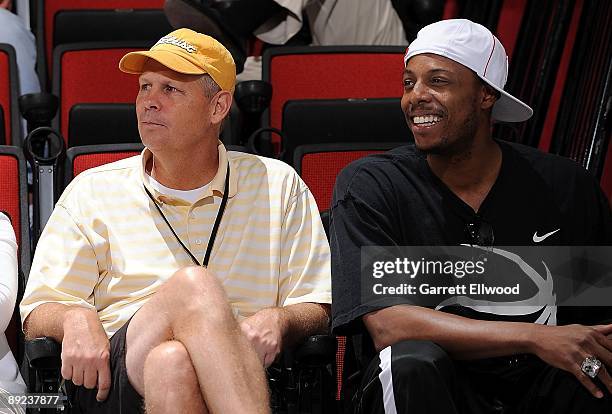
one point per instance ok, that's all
(231, 22)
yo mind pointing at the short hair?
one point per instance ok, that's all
(210, 86)
(210, 89)
(488, 87)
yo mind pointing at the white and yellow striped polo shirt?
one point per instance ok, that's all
(107, 247)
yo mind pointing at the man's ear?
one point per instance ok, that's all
(222, 103)
(489, 97)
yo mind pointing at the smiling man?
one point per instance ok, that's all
(458, 185)
(176, 276)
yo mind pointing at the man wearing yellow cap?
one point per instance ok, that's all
(177, 275)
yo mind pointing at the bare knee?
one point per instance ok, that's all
(170, 380)
(195, 288)
(191, 301)
(169, 363)
(195, 280)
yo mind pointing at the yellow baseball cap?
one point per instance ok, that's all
(189, 52)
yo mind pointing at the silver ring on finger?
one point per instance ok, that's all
(591, 366)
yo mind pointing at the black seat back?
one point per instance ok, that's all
(94, 123)
(326, 121)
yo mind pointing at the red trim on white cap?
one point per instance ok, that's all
(490, 55)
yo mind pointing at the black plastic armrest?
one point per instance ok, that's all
(44, 353)
(316, 350)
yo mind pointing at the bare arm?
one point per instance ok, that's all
(462, 338)
(303, 320)
(48, 320)
(564, 347)
(272, 329)
(85, 345)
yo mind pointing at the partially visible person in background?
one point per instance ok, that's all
(276, 22)
(22, 9)
(14, 32)
(10, 379)
(331, 23)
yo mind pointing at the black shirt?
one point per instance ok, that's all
(394, 199)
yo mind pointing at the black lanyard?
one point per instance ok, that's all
(213, 234)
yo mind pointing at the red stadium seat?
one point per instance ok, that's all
(79, 82)
(9, 92)
(340, 354)
(13, 187)
(327, 121)
(96, 20)
(79, 159)
(330, 72)
(319, 164)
